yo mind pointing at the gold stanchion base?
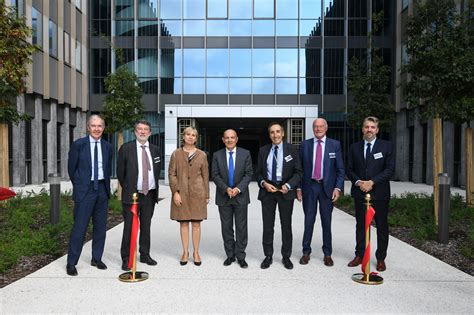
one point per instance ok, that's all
(128, 276)
(370, 279)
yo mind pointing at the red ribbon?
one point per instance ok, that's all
(6, 193)
(134, 234)
(368, 219)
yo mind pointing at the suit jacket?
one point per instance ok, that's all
(79, 166)
(127, 169)
(242, 175)
(379, 168)
(333, 166)
(292, 171)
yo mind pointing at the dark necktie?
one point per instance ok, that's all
(145, 168)
(274, 164)
(367, 152)
(96, 167)
(317, 161)
(231, 170)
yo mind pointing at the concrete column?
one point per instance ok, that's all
(80, 130)
(64, 144)
(52, 157)
(448, 149)
(37, 143)
(18, 145)
(401, 147)
(417, 151)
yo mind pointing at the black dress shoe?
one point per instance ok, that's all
(71, 270)
(243, 264)
(266, 262)
(146, 259)
(229, 261)
(287, 263)
(99, 264)
(125, 265)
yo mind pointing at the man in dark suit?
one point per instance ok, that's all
(138, 171)
(323, 180)
(278, 174)
(232, 172)
(370, 166)
(89, 170)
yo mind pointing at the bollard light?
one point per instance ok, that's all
(54, 193)
(444, 194)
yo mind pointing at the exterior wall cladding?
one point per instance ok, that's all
(262, 52)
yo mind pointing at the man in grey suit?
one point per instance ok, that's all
(232, 172)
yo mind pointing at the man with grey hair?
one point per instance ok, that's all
(89, 170)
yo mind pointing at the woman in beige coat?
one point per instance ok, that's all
(189, 183)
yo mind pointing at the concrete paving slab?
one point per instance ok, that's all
(413, 282)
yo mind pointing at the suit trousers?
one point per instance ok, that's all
(311, 198)
(94, 205)
(146, 208)
(381, 221)
(234, 247)
(285, 208)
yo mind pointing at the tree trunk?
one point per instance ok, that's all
(4, 166)
(119, 144)
(469, 168)
(437, 161)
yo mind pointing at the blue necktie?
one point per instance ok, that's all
(367, 152)
(96, 167)
(274, 164)
(231, 170)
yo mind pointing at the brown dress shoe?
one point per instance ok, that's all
(328, 261)
(304, 259)
(355, 262)
(381, 265)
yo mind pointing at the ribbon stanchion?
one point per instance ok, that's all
(367, 277)
(134, 275)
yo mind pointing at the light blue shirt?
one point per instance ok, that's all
(279, 161)
(99, 158)
(371, 145)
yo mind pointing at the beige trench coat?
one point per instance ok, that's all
(192, 182)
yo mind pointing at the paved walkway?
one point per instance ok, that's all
(413, 283)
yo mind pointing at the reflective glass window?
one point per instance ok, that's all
(310, 9)
(240, 9)
(264, 27)
(78, 55)
(170, 28)
(194, 61)
(124, 28)
(263, 86)
(310, 62)
(357, 8)
(334, 8)
(286, 63)
(147, 8)
(67, 48)
(287, 9)
(194, 28)
(53, 38)
(124, 8)
(216, 9)
(286, 86)
(171, 60)
(100, 9)
(171, 85)
(193, 86)
(334, 27)
(287, 28)
(147, 63)
(170, 9)
(125, 56)
(240, 28)
(148, 85)
(240, 86)
(147, 28)
(100, 62)
(310, 27)
(217, 85)
(333, 71)
(217, 62)
(310, 86)
(37, 25)
(217, 28)
(240, 62)
(263, 63)
(194, 9)
(357, 27)
(263, 9)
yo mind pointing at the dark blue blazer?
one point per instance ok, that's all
(79, 166)
(333, 171)
(379, 168)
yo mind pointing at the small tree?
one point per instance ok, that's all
(15, 54)
(369, 85)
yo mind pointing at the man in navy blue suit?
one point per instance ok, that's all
(323, 180)
(89, 170)
(371, 164)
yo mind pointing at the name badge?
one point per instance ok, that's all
(378, 156)
(288, 158)
(332, 155)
